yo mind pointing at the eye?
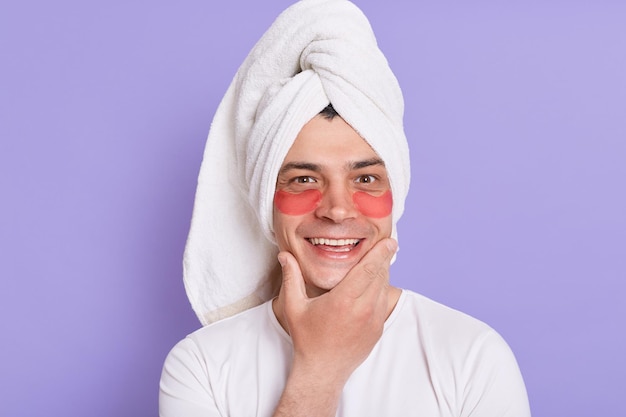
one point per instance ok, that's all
(366, 179)
(304, 180)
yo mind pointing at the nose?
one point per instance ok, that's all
(336, 204)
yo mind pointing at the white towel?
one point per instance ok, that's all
(316, 52)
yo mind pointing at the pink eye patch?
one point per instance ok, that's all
(297, 204)
(371, 206)
(306, 201)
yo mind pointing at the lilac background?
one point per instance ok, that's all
(516, 115)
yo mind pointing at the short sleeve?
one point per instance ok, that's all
(185, 388)
(495, 387)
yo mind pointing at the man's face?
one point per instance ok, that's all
(333, 202)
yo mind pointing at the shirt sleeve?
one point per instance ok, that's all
(185, 390)
(495, 386)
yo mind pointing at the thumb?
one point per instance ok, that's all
(293, 289)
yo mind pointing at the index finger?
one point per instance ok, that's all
(373, 267)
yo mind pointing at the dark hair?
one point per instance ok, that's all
(329, 112)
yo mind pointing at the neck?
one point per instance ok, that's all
(393, 294)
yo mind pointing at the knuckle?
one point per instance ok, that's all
(287, 281)
(371, 270)
(374, 271)
(367, 311)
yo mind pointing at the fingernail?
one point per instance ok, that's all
(281, 259)
(392, 246)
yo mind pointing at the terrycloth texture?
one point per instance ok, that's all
(317, 52)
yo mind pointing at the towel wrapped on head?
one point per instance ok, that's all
(316, 52)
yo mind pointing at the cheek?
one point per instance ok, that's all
(375, 207)
(297, 204)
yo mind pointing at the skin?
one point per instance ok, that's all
(334, 300)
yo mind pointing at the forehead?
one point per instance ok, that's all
(325, 142)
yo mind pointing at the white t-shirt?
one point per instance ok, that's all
(430, 361)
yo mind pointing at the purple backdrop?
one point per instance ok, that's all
(516, 116)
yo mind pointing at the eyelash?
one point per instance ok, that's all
(371, 179)
(301, 180)
(365, 179)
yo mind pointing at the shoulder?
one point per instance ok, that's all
(440, 319)
(199, 364)
(467, 351)
(218, 341)
(227, 335)
(449, 333)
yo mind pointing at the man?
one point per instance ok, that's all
(320, 192)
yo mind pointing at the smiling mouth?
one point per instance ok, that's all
(347, 243)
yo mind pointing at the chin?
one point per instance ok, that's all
(318, 286)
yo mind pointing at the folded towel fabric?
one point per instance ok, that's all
(316, 52)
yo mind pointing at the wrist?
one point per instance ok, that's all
(327, 378)
(310, 392)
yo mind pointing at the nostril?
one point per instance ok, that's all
(337, 205)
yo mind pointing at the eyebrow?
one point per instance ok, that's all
(308, 166)
(367, 163)
(300, 165)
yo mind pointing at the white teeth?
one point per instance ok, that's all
(333, 242)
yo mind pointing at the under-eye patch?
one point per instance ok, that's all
(297, 204)
(305, 202)
(372, 206)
